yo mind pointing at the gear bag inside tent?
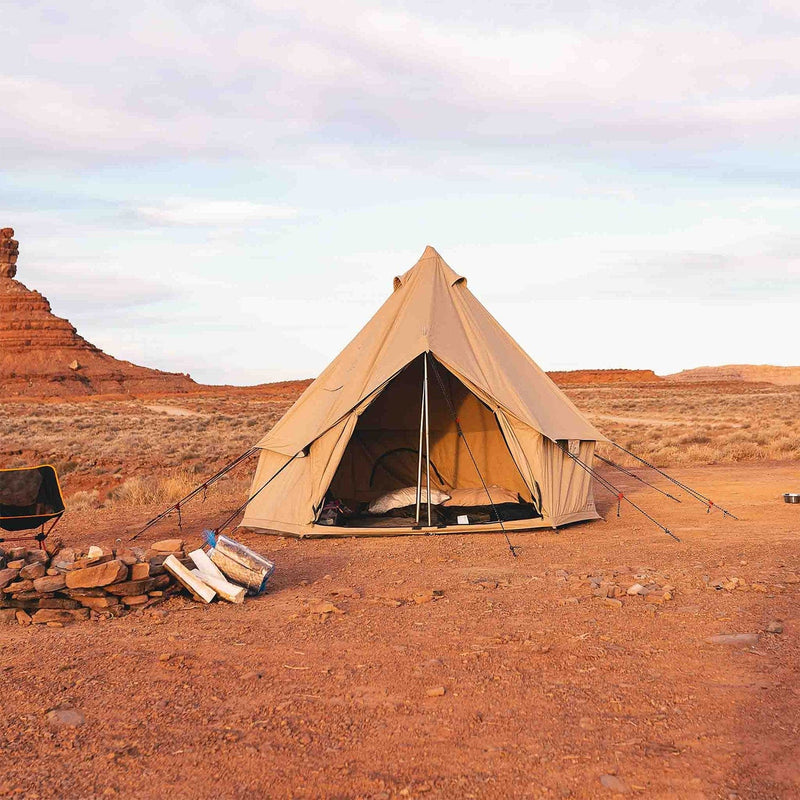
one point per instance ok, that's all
(432, 419)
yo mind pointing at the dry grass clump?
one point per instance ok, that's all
(675, 424)
(145, 490)
(84, 501)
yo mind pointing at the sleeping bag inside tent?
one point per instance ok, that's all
(432, 399)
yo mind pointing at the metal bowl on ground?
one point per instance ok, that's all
(792, 497)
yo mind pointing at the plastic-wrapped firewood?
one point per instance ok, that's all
(240, 563)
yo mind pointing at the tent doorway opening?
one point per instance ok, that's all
(376, 482)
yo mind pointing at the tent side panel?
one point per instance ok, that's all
(565, 486)
(287, 499)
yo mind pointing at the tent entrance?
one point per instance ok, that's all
(382, 457)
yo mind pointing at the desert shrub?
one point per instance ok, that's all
(83, 501)
(144, 490)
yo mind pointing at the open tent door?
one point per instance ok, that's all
(383, 453)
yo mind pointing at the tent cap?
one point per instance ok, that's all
(430, 260)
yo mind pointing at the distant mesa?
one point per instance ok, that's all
(43, 355)
(600, 377)
(741, 373)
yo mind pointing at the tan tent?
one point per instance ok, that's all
(356, 432)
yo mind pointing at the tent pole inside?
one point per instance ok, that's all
(419, 454)
(427, 438)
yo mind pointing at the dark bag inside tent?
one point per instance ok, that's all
(29, 497)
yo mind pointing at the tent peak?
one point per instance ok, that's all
(430, 260)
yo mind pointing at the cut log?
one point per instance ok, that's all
(205, 564)
(100, 575)
(227, 591)
(198, 587)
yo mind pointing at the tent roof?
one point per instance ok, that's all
(431, 309)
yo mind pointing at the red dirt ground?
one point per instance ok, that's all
(542, 698)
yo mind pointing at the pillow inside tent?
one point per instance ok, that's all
(400, 498)
(478, 497)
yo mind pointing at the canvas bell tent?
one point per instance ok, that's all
(433, 419)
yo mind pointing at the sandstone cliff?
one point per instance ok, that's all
(43, 355)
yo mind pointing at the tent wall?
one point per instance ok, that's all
(292, 498)
(566, 488)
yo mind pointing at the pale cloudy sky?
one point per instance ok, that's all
(228, 188)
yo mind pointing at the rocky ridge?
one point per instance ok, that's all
(43, 355)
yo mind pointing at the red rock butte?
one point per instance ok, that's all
(43, 355)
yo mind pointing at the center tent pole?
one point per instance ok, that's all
(427, 438)
(419, 451)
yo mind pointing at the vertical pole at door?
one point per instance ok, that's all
(419, 461)
(427, 438)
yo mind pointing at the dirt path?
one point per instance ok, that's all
(547, 688)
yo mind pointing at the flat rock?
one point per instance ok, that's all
(135, 599)
(99, 575)
(138, 587)
(60, 615)
(8, 576)
(735, 639)
(98, 603)
(436, 691)
(33, 571)
(50, 583)
(65, 718)
(18, 586)
(637, 588)
(167, 546)
(58, 602)
(140, 571)
(776, 626)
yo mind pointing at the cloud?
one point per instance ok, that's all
(186, 211)
(260, 80)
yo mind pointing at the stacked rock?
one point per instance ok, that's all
(70, 585)
(9, 252)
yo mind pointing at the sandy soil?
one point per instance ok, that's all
(543, 695)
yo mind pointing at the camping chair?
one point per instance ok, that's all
(30, 498)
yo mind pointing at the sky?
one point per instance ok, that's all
(228, 188)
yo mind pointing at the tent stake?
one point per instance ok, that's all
(707, 502)
(608, 486)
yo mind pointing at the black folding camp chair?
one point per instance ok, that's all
(30, 500)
